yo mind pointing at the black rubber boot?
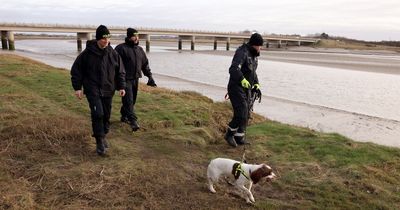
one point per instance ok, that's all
(230, 138)
(135, 126)
(125, 120)
(240, 140)
(105, 143)
(100, 146)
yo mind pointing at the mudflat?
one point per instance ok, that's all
(379, 61)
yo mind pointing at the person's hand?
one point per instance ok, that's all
(245, 83)
(256, 90)
(151, 82)
(122, 92)
(79, 94)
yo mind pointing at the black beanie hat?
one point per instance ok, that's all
(102, 32)
(131, 32)
(256, 40)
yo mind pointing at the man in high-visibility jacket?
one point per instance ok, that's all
(243, 77)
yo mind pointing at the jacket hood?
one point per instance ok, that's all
(129, 42)
(91, 45)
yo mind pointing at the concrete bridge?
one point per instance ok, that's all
(85, 33)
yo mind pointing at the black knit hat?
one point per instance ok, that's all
(131, 32)
(256, 40)
(102, 32)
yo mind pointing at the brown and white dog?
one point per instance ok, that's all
(242, 173)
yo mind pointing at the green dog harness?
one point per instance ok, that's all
(237, 170)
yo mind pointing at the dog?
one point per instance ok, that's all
(243, 174)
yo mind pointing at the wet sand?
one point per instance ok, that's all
(387, 62)
(358, 127)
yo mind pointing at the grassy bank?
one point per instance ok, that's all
(48, 159)
(354, 45)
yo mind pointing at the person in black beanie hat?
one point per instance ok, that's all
(100, 71)
(256, 40)
(135, 62)
(243, 83)
(130, 32)
(102, 32)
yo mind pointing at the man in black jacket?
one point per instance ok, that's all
(243, 77)
(135, 62)
(99, 70)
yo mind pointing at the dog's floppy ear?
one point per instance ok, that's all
(266, 169)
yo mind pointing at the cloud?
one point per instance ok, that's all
(362, 19)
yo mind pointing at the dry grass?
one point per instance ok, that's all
(48, 159)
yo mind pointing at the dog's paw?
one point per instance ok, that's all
(212, 189)
(249, 202)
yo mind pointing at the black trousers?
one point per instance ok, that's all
(100, 111)
(129, 100)
(238, 100)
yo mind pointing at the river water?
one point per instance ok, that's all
(358, 104)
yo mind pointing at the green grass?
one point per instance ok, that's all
(48, 159)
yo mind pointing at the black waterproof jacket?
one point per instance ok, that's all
(99, 71)
(134, 58)
(244, 65)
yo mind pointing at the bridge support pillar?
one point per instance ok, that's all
(147, 43)
(192, 43)
(228, 43)
(267, 44)
(279, 43)
(79, 44)
(79, 37)
(147, 38)
(179, 43)
(4, 45)
(11, 45)
(299, 43)
(215, 44)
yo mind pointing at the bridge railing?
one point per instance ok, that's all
(144, 29)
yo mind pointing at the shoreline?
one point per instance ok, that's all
(356, 126)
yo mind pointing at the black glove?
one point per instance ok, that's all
(256, 90)
(151, 82)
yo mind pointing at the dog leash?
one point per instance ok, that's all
(239, 166)
(244, 154)
(237, 169)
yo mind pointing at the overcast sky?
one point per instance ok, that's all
(360, 19)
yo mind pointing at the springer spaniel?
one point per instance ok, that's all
(242, 173)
